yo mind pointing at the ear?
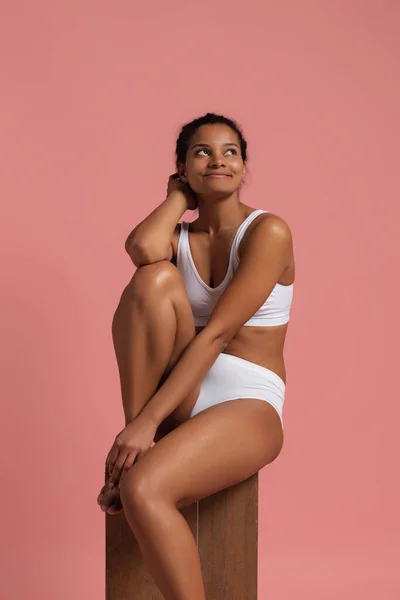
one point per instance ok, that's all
(244, 172)
(181, 171)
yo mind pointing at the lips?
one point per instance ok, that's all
(218, 175)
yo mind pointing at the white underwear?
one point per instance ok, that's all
(231, 378)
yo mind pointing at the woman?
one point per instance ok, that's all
(199, 335)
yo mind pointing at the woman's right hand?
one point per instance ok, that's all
(176, 185)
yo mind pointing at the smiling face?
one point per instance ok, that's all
(214, 164)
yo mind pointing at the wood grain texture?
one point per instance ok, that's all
(227, 528)
(228, 542)
(127, 577)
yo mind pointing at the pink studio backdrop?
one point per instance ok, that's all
(92, 97)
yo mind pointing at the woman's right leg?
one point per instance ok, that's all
(152, 326)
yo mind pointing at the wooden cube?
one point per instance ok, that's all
(225, 527)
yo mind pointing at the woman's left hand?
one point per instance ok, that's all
(133, 441)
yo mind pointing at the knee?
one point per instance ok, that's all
(136, 489)
(157, 278)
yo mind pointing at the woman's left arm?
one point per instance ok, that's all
(264, 257)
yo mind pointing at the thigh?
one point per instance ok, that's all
(179, 416)
(185, 333)
(217, 448)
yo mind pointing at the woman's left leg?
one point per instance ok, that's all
(215, 449)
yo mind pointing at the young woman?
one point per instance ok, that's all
(199, 335)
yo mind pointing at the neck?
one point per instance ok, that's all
(217, 216)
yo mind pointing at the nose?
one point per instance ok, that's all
(217, 160)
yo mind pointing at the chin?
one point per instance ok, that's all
(215, 195)
(215, 187)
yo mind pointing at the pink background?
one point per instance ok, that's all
(93, 95)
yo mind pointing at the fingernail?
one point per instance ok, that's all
(104, 507)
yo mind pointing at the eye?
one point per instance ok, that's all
(206, 150)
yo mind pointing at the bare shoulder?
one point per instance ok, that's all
(274, 222)
(266, 225)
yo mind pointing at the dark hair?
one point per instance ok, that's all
(189, 129)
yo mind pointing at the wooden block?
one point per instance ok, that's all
(228, 542)
(225, 526)
(127, 577)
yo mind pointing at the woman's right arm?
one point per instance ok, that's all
(151, 240)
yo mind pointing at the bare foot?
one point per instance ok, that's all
(109, 498)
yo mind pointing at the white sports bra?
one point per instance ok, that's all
(203, 298)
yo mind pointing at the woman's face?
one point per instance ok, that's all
(214, 164)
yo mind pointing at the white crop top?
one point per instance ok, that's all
(203, 298)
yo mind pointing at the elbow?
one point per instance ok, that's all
(142, 255)
(220, 336)
(138, 253)
(131, 242)
(132, 245)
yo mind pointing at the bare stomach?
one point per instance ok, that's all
(260, 345)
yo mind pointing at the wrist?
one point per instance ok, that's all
(178, 198)
(150, 414)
